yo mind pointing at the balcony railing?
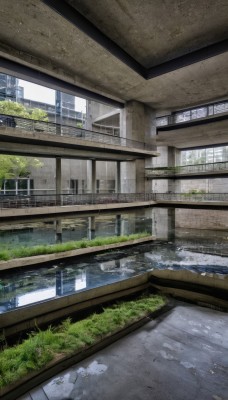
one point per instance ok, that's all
(12, 201)
(33, 126)
(193, 114)
(192, 197)
(188, 169)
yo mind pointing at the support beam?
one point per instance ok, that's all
(58, 181)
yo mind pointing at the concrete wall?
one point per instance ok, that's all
(201, 219)
(44, 177)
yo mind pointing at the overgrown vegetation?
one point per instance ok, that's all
(43, 346)
(19, 252)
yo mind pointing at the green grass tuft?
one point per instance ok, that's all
(43, 346)
(24, 251)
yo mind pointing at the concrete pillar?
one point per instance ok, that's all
(16, 187)
(118, 225)
(91, 228)
(28, 187)
(58, 111)
(118, 177)
(58, 181)
(163, 223)
(58, 230)
(91, 176)
(171, 224)
(174, 185)
(137, 123)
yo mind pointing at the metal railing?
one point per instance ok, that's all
(195, 197)
(12, 201)
(33, 126)
(193, 114)
(187, 169)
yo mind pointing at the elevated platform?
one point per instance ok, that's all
(42, 139)
(197, 171)
(193, 134)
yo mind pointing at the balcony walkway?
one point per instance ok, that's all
(194, 115)
(193, 128)
(198, 171)
(46, 139)
(39, 205)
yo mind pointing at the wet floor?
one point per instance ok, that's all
(180, 355)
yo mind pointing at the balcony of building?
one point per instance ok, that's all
(199, 126)
(218, 169)
(29, 137)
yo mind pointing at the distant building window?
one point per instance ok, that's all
(17, 187)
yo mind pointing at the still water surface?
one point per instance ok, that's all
(24, 287)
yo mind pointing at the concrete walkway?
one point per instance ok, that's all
(183, 355)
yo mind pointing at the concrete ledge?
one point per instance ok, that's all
(208, 289)
(45, 312)
(35, 260)
(71, 209)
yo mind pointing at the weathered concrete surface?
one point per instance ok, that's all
(181, 355)
(45, 312)
(36, 36)
(197, 135)
(72, 209)
(14, 141)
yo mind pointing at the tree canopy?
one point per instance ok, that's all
(12, 167)
(13, 108)
(19, 166)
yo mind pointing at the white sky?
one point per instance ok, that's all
(46, 95)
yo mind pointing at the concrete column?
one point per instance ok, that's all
(16, 187)
(137, 123)
(58, 111)
(93, 176)
(91, 228)
(118, 225)
(163, 223)
(58, 181)
(174, 185)
(28, 187)
(118, 177)
(58, 230)
(171, 224)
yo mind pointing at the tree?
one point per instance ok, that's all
(13, 108)
(12, 167)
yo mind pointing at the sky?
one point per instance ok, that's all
(46, 95)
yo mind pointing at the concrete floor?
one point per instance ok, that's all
(182, 355)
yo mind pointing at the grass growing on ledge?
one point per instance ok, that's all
(8, 254)
(44, 346)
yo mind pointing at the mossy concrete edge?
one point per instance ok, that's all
(45, 258)
(63, 362)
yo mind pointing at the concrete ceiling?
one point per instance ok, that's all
(137, 39)
(195, 136)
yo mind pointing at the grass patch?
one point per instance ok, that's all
(19, 252)
(43, 346)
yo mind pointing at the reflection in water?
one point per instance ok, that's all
(21, 288)
(44, 232)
